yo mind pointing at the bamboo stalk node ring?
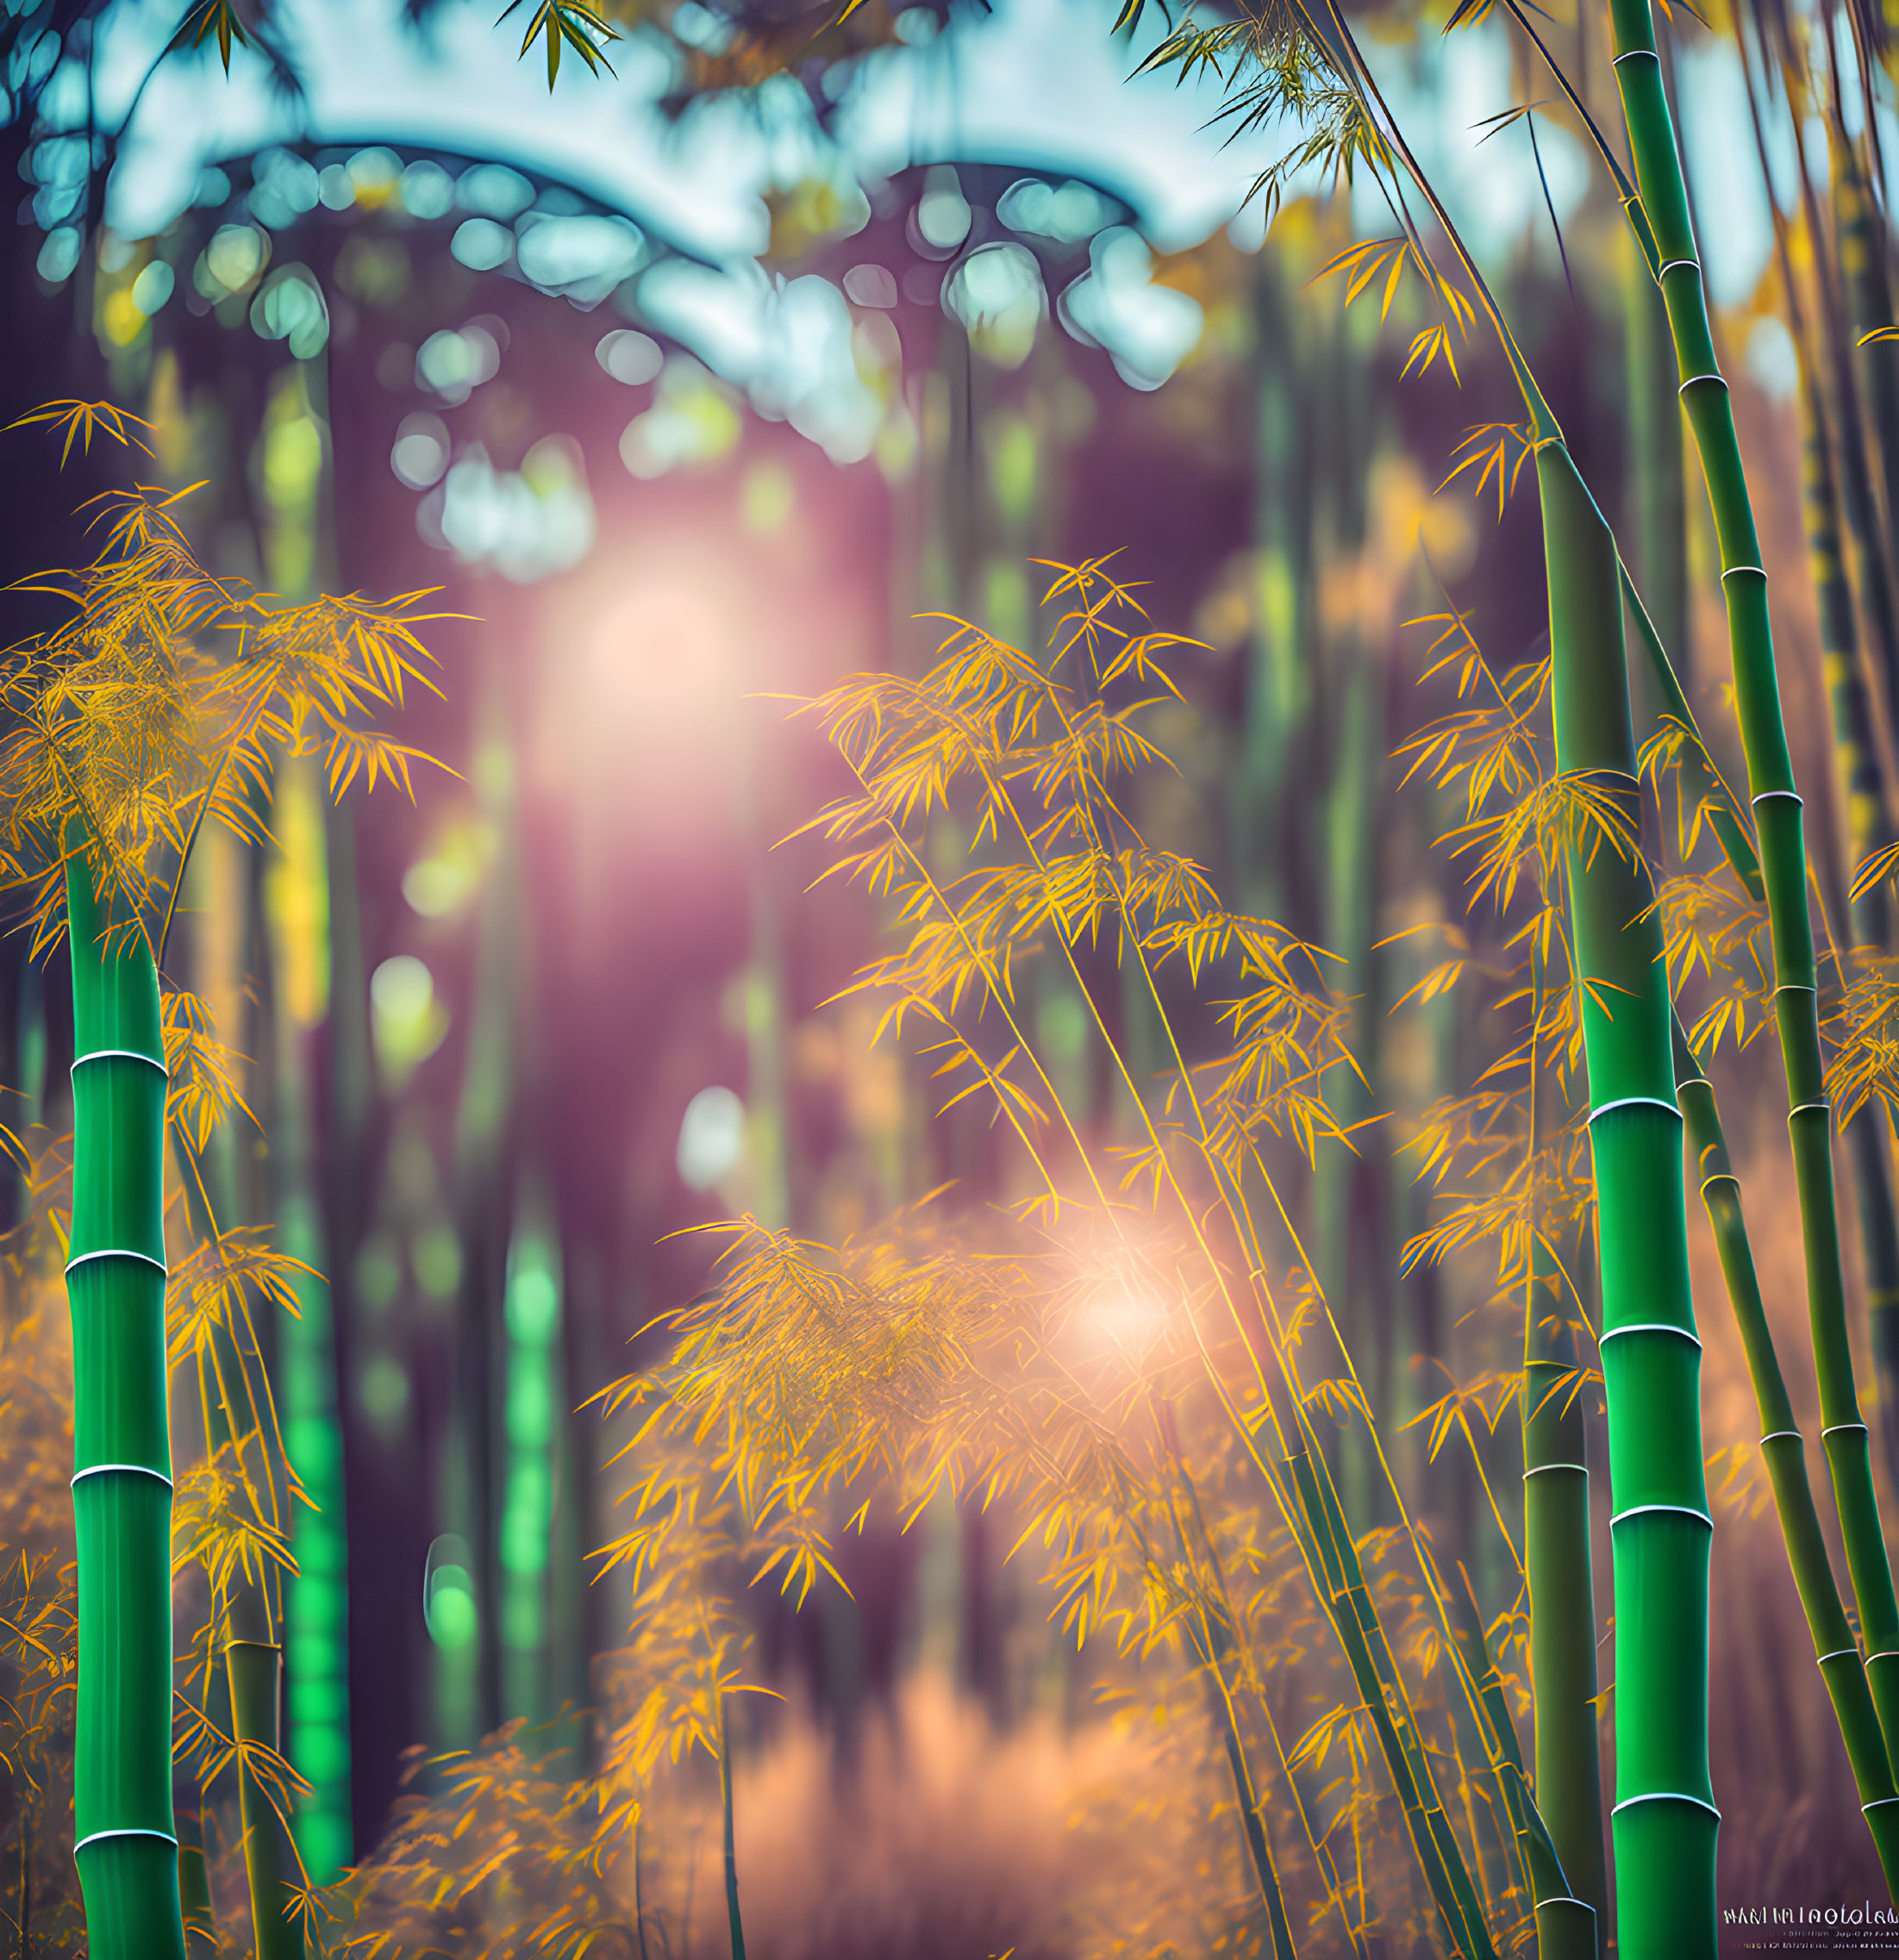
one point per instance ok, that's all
(1835, 1428)
(1876, 1801)
(1775, 1435)
(1678, 1510)
(1762, 570)
(120, 1055)
(1768, 795)
(1665, 1796)
(1539, 1470)
(1633, 1103)
(1801, 1108)
(135, 1469)
(1635, 53)
(1720, 382)
(127, 1831)
(1840, 1654)
(1662, 272)
(114, 1252)
(1728, 1177)
(1649, 1327)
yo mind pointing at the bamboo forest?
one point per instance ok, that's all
(949, 979)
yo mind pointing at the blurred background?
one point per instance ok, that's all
(693, 392)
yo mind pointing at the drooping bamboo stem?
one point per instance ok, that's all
(127, 1843)
(1783, 1449)
(1777, 806)
(1665, 1821)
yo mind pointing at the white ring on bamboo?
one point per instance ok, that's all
(1667, 1796)
(1720, 382)
(1834, 1429)
(1837, 1654)
(140, 1470)
(1884, 1654)
(1634, 1101)
(1564, 1899)
(1774, 1436)
(1540, 1468)
(1688, 1081)
(1762, 570)
(1767, 795)
(1876, 1801)
(121, 1055)
(1799, 1107)
(1635, 55)
(1794, 987)
(1682, 1510)
(1649, 1327)
(128, 1831)
(1668, 266)
(116, 1252)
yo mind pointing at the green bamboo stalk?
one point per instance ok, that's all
(1665, 1821)
(1836, 481)
(1657, 488)
(1866, 809)
(1866, 805)
(1868, 296)
(126, 1848)
(1557, 1567)
(1783, 1449)
(255, 1668)
(1777, 807)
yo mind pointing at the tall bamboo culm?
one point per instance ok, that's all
(1663, 1822)
(126, 1839)
(1777, 807)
